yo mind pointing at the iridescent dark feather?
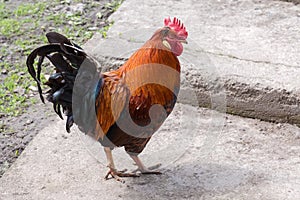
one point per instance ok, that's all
(67, 58)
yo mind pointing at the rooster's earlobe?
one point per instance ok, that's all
(166, 44)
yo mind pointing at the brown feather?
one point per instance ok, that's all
(150, 76)
(111, 102)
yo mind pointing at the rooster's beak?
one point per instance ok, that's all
(183, 41)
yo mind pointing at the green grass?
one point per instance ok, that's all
(30, 9)
(11, 100)
(9, 27)
(103, 31)
(24, 27)
(114, 5)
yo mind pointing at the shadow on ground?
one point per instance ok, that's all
(192, 182)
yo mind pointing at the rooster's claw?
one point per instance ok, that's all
(117, 174)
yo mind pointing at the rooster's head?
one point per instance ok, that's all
(173, 35)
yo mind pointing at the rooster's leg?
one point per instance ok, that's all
(112, 170)
(142, 168)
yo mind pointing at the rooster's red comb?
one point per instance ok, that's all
(177, 26)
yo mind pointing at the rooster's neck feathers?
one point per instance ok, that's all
(153, 51)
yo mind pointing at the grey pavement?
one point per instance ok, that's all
(204, 155)
(242, 58)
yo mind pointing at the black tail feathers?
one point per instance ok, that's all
(67, 59)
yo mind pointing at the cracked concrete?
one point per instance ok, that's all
(249, 60)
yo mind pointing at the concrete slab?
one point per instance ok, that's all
(205, 155)
(248, 50)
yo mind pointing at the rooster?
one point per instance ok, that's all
(123, 107)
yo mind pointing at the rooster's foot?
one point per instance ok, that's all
(118, 174)
(149, 170)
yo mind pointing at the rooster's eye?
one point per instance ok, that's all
(165, 31)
